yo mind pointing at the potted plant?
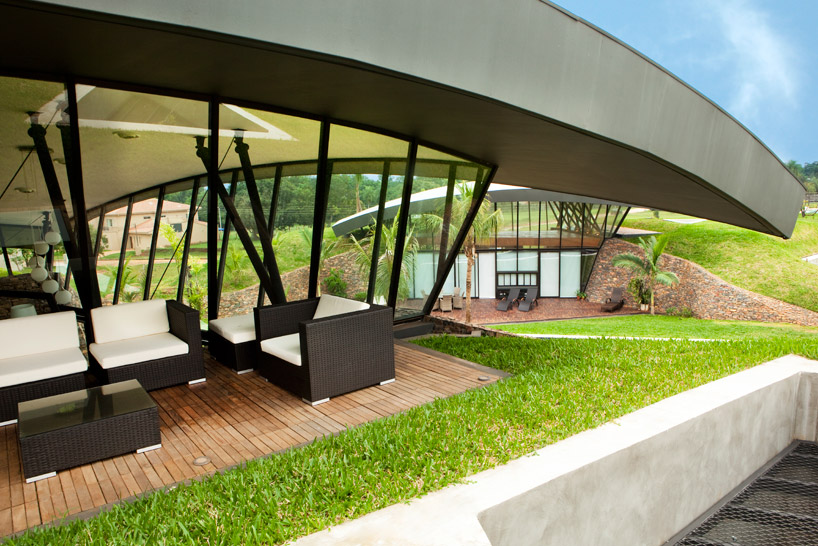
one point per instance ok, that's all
(581, 295)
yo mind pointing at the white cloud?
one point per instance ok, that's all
(759, 59)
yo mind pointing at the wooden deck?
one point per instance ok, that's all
(231, 418)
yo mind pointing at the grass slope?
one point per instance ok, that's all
(754, 261)
(663, 326)
(561, 387)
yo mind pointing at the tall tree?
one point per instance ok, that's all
(648, 267)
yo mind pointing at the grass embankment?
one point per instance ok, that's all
(757, 262)
(662, 326)
(561, 387)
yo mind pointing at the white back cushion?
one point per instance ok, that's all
(38, 334)
(333, 305)
(129, 320)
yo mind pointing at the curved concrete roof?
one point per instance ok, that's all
(556, 103)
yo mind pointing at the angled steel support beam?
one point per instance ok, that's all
(477, 199)
(403, 222)
(123, 246)
(98, 240)
(242, 149)
(191, 215)
(376, 238)
(215, 184)
(157, 220)
(321, 196)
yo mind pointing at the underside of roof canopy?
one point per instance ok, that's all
(551, 100)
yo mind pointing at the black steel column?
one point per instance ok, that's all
(191, 216)
(211, 163)
(154, 238)
(122, 249)
(403, 222)
(321, 196)
(376, 237)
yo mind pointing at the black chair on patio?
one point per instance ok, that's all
(324, 347)
(511, 297)
(615, 302)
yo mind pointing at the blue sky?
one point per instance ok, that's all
(757, 59)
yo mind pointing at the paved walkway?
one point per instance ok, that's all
(484, 311)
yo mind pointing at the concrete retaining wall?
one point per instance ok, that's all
(636, 481)
(656, 470)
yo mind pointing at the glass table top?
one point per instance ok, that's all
(75, 408)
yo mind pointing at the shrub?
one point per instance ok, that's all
(334, 284)
(360, 296)
(684, 312)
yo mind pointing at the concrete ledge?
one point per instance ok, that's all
(637, 480)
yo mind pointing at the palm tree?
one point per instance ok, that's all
(648, 267)
(386, 259)
(485, 222)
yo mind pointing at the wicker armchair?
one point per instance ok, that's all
(134, 341)
(336, 354)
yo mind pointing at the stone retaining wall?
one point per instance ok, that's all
(705, 294)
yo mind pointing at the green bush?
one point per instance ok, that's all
(359, 296)
(683, 312)
(335, 284)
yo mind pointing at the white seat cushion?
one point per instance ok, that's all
(286, 348)
(129, 320)
(333, 305)
(38, 334)
(240, 329)
(48, 365)
(140, 349)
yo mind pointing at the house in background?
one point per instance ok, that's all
(143, 217)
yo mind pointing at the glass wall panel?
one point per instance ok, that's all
(569, 273)
(571, 225)
(588, 258)
(528, 224)
(549, 225)
(360, 162)
(593, 225)
(280, 153)
(549, 274)
(170, 244)
(129, 141)
(26, 213)
(443, 191)
(615, 216)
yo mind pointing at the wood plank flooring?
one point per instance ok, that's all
(230, 418)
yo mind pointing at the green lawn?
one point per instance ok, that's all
(560, 387)
(663, 326)
(760, 263)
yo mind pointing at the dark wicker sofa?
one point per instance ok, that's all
(152, 373)
(339, 353)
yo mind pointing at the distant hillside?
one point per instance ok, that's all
(754, 261)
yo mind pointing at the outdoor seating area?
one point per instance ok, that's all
(229, 419)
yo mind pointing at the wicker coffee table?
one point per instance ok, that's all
(67, 430)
